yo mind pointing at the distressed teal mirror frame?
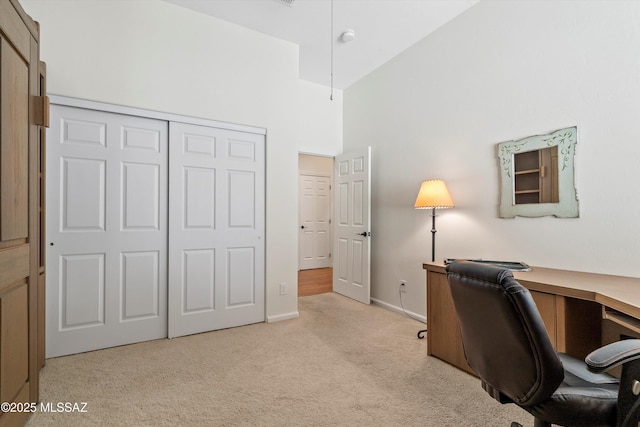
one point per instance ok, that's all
(567, 206)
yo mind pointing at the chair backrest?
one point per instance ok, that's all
(504, 338)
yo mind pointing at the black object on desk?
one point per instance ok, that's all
(511, 265)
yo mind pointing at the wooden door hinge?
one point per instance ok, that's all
(41, 110)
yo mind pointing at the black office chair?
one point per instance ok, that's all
(506, 344)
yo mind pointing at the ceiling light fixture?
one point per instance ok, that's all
(286, 2)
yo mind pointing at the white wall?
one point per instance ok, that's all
(154, 55)
(503, 70)
(320, 119)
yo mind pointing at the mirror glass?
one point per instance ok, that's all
(537, 175)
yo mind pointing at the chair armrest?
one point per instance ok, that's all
(612, 355)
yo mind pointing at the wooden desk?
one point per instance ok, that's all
(581, 311)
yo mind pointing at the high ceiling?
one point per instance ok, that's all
(383, 29)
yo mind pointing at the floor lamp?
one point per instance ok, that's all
(433, 195)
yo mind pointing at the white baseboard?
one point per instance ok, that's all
(281, 317)
(295, 314)
(397, 309)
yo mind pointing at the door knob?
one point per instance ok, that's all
(302, 227)
(364, 234)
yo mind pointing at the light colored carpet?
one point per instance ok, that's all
(341, 363)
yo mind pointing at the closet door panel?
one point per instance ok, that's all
(82, 279)
(107, 225)
(141, 187)
(140, 285)
(216, 230)
(83, 192)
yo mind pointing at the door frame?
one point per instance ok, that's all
(151, 114)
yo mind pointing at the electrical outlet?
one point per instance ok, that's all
(403, 286)
(283, 289)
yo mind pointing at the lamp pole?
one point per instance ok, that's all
(433, 235)
(433, 194)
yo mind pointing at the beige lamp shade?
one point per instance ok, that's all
(433, 194)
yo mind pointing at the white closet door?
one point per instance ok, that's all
(216, 237)
(107, 230)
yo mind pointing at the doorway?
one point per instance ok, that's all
(315, 281)
(315, 242)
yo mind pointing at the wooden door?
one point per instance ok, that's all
(19, 208)
(315, 222)
(107, 230)
(42, 197)
(352, 207)
(216, 228)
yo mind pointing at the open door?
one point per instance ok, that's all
(352, 213)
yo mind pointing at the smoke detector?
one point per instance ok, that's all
(286, 2)
(348, 36)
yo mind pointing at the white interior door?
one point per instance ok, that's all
(315, 222)
(216, 230)
(352, 225)
(107, 230)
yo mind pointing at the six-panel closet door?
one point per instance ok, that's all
(216, 230)
(106, 230)
(154, 229)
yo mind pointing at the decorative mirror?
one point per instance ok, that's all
(537, 175)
